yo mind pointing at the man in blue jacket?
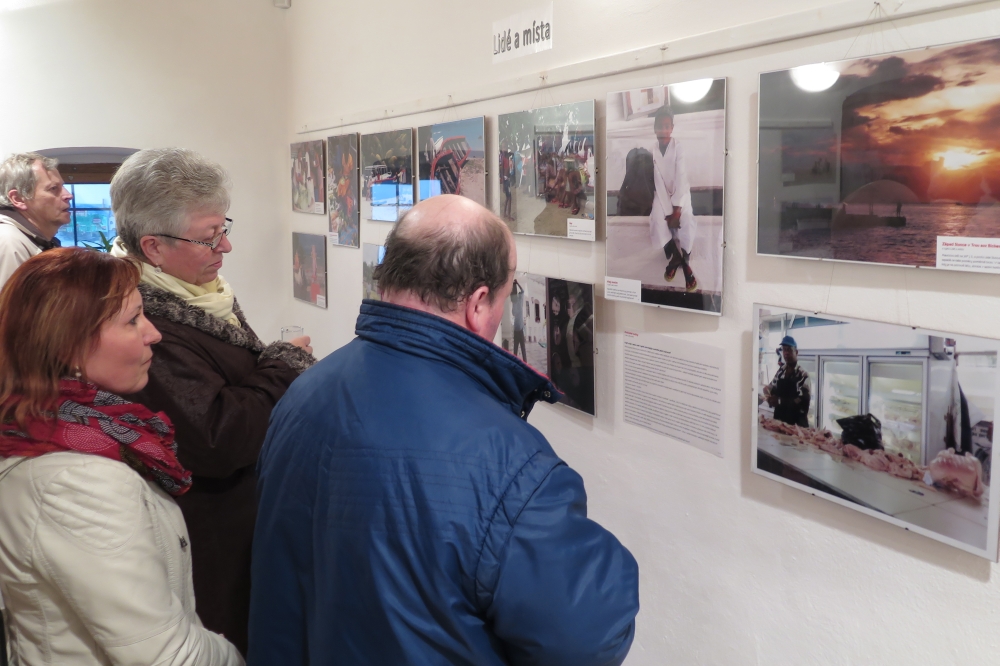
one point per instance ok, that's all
(408, 512)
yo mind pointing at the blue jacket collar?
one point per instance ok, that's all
(506, 377)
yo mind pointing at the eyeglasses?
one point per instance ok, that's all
(216, 239)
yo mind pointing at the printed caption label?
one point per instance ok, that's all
(522, 34)
(620, 289)
(978, 255)
(675, 388)
(579, 228)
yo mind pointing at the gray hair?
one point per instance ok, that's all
(16, 173)
(155, 190)
(444, 266)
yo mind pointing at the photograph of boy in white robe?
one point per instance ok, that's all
(665, 181)
(671, 223)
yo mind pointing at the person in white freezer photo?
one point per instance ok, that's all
(672, 223)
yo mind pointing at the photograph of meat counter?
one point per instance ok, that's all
(891, 420)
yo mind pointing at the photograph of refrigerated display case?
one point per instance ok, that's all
(894, 421)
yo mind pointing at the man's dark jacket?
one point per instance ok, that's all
(410, 515)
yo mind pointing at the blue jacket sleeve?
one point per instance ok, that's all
(568, 591)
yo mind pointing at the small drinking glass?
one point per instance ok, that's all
(289, 333)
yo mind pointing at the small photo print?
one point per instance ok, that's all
(309, 268)
(343, 198)
(547, 169)
(371, 256)
(549, 324)
(386, 175)
(308, 177)
(452, 159)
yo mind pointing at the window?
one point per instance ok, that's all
(90, 216)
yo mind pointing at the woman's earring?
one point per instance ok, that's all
(77, 372)
(157, 269)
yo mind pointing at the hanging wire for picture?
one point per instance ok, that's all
(876, 20)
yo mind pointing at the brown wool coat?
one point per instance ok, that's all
(218, 384)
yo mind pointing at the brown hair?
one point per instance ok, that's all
(446, 265)
(51, 312)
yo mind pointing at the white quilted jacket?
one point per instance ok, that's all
(95, 568)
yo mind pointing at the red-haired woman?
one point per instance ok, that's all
(95, 566)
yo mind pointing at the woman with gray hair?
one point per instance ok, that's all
(211, 374)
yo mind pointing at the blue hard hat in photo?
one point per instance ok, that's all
(789, 341)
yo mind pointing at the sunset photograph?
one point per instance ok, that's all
(896, 151)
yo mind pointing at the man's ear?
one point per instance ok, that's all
(152, 248)
(478, 309)
(16, 200)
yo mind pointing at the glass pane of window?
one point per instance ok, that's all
(92, 196)
(91, 215)
(90, 224)
(66, 233)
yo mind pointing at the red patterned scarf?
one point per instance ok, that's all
(89, 420)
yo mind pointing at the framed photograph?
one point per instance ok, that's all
(309, 268)
(547, 170)
(343, 195)
(308, 177)
(892, 421)
(889, 159)
(666, 169)
(452, 159)
(549, 324)
(371, 256)
(387, 175)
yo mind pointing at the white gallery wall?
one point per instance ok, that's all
(735, 569)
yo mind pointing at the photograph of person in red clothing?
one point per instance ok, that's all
(309, 268)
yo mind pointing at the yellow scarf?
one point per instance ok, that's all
(215, 297)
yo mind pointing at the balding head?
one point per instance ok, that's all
(444, 251)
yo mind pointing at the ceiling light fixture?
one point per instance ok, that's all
(815, 78)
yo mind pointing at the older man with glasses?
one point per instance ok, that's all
(211, 374)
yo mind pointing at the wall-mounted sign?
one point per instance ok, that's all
(524, 33)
